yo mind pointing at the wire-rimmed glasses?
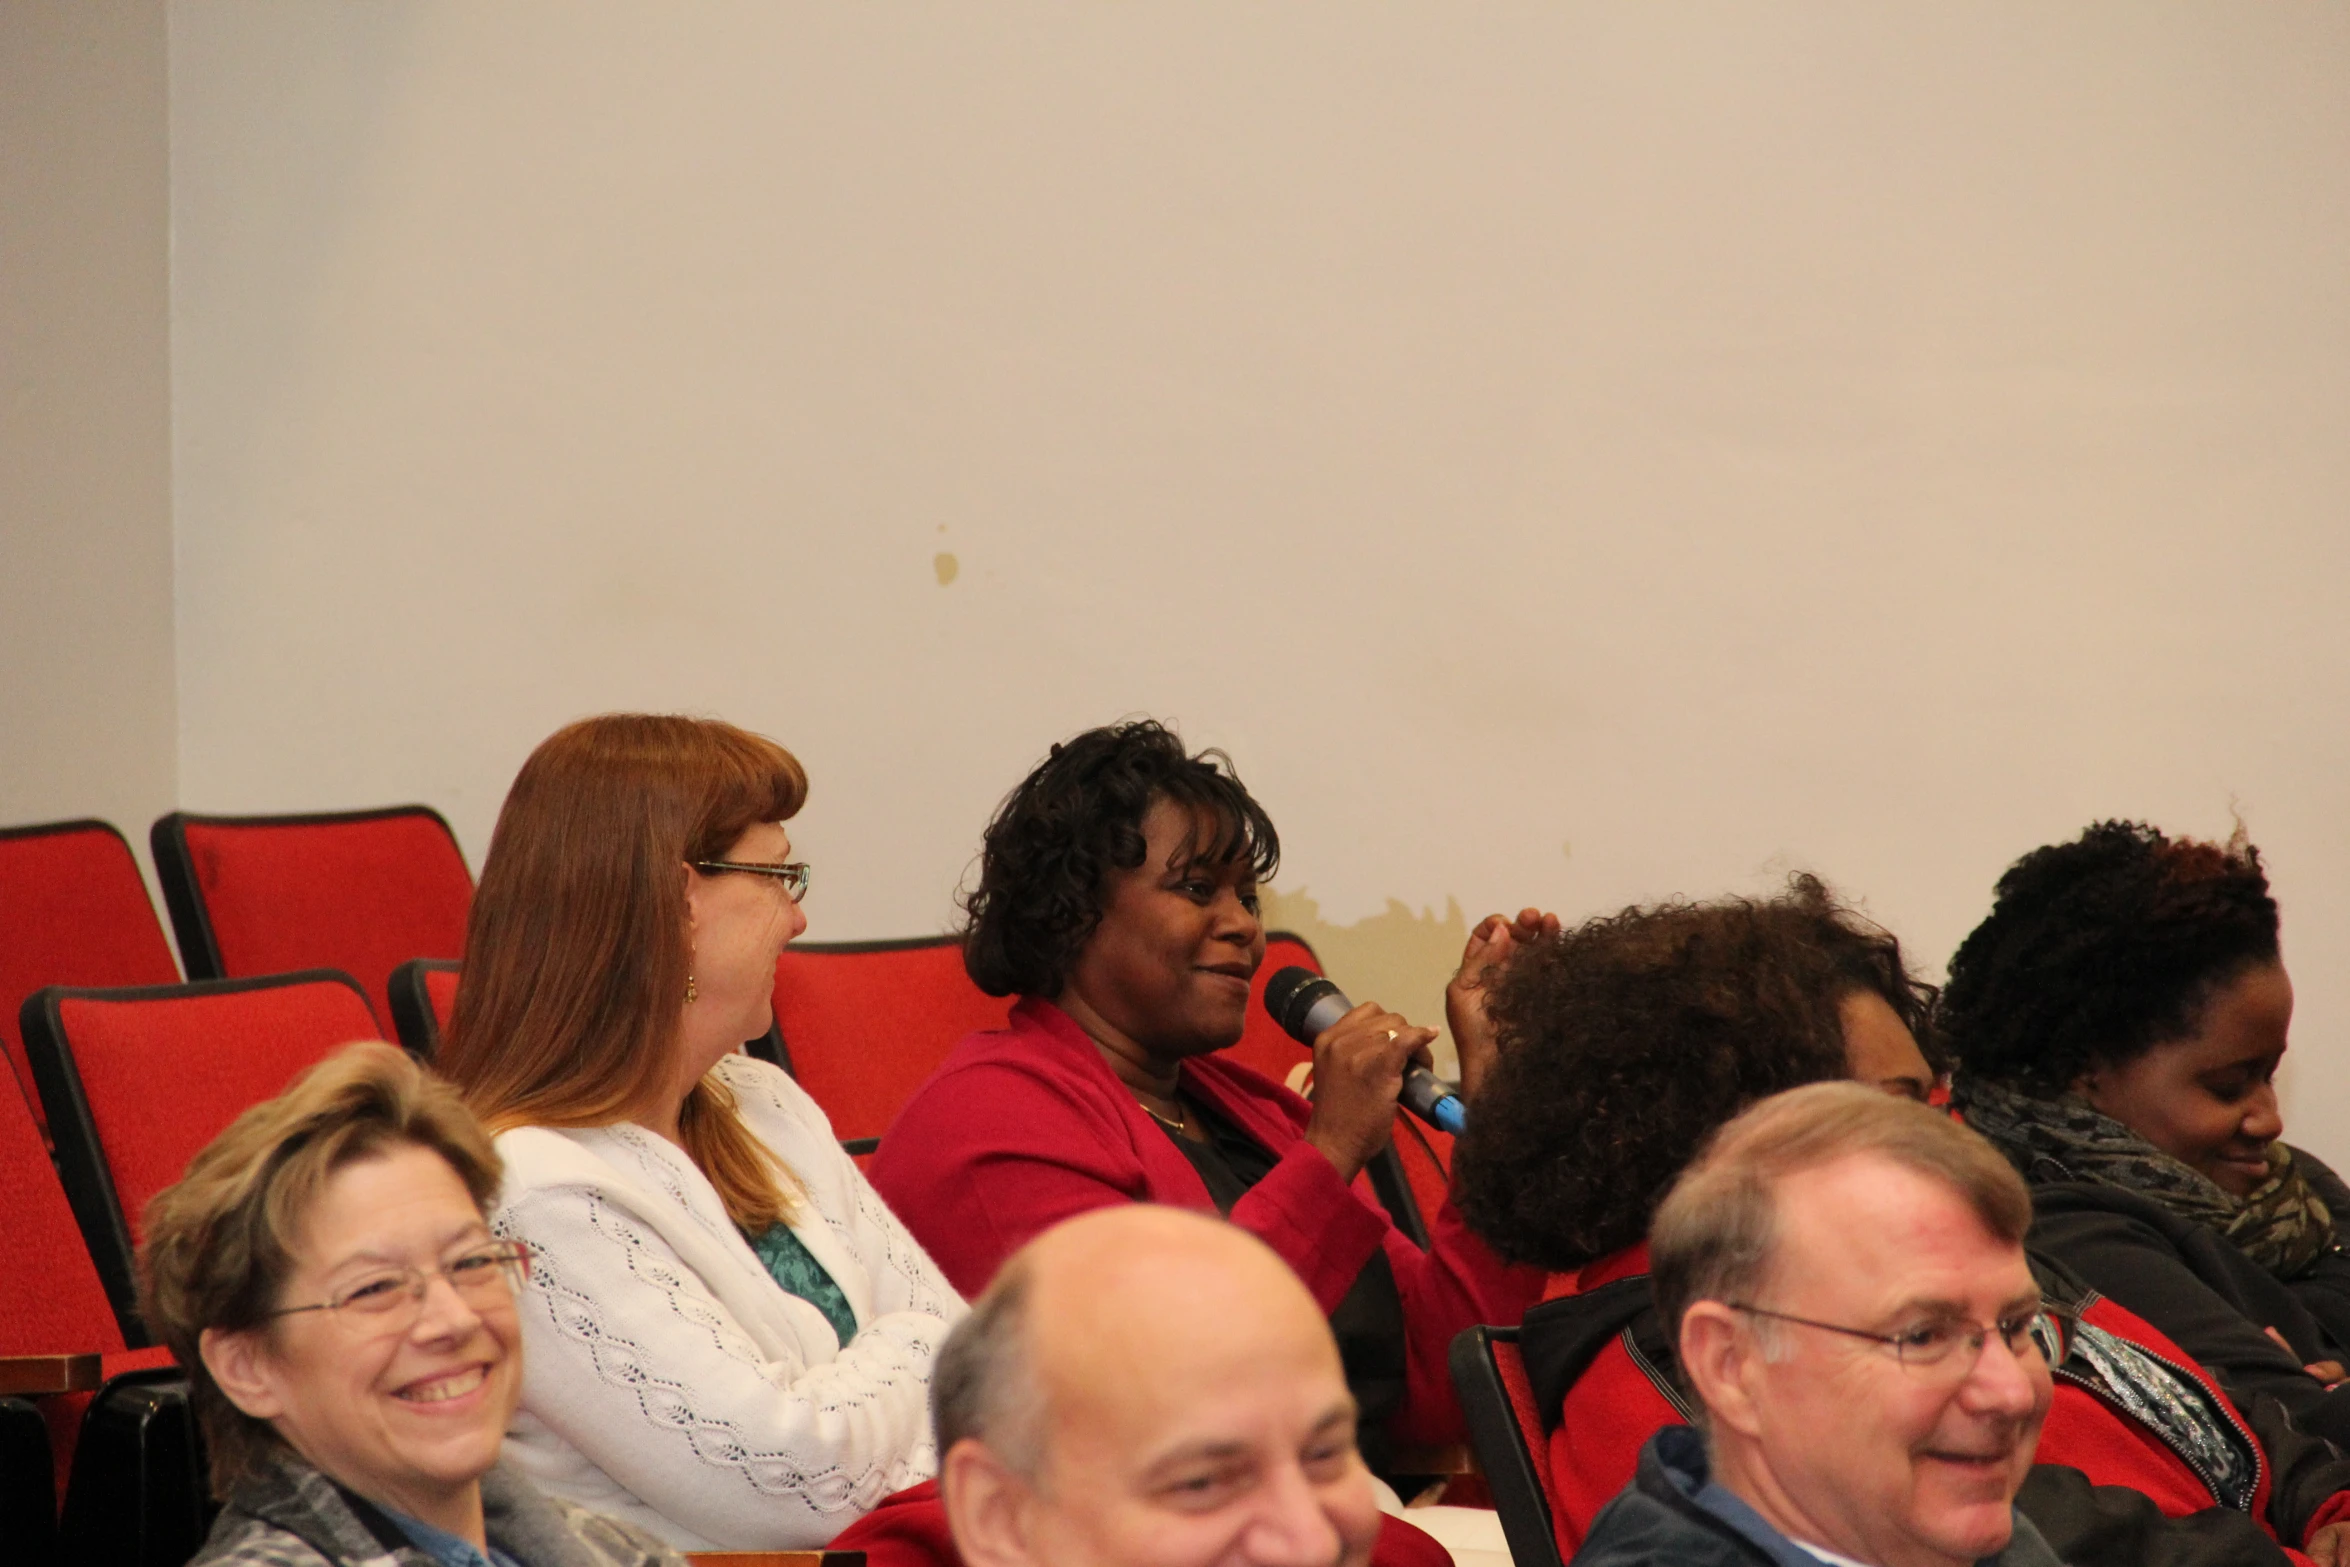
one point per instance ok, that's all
(1932, 1345)
(793, 874)
(389, 1300)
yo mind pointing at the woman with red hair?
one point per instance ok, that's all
(729, 1334)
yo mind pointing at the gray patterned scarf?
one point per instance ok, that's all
(2284, 1225)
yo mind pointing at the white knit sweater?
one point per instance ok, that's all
(667, 1379)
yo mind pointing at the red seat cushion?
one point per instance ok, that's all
(77, 913)
(440, 988)
(866, 1028)
(164, 1076)
(51, 1302)
(363, 894)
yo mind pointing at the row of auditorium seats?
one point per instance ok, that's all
(125, 1072)
(357, 891)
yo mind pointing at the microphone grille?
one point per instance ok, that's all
(1291, 993)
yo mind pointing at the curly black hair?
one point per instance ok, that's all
(2097, 950)
(1049, 852)
(1627, 1040)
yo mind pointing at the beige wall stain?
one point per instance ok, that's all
(945, 564)
(1398, 958)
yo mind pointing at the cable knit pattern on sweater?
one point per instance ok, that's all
(669, 1381)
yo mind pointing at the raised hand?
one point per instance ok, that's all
(1491, 945)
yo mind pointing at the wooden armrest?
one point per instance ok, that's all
(34, 1376)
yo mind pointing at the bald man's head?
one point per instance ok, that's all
(1139, 1378)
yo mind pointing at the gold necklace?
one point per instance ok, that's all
(1180, 1126)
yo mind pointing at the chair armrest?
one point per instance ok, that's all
(36, 1376)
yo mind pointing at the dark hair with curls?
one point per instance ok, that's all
(1055, 840)
(2097, 950)
(1627, 1041)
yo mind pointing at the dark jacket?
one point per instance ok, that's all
(2206, 1296)
(290, 1515)
(1669, 1517)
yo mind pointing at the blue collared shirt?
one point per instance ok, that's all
(446, 1548)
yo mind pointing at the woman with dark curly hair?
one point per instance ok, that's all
(1117, 898)
(2118, 1019)
(1628, 1039)
(1626, 1043)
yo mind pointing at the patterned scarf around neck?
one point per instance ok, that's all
(2283, 1226)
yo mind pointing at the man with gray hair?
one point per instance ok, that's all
(1147, 1387)
(1844, 1274)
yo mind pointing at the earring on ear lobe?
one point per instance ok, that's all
(690, 992)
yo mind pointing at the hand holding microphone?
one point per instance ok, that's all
(1366, 1061)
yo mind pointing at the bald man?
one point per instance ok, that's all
(1148, 1387)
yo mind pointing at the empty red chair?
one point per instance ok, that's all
(73, 911)
(137, 1081)
(1505, 1427)
(360, 891)
(865, 1022)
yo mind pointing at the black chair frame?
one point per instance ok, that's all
(28, 1485)
(1509, 1465)
(413, 1018)
(81, 1161)
(138, 1496)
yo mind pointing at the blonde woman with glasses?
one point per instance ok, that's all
(326, 1273)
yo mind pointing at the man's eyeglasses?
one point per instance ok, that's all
(1934, 1345)
(794, 875)
(391, 1300)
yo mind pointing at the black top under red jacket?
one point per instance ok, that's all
(2108, 1486)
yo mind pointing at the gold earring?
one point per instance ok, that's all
(690, 992)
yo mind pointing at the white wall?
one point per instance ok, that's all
(1570, 453)
(87, 721)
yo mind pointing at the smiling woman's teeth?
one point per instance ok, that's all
(453, 1386)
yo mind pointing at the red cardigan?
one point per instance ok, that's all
(1024, 1126)
(1614, 1407)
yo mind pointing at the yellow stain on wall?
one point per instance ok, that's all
(1398, 958)
(946, 566)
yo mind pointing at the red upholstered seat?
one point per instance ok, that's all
(360, 891)
(137, 1081)
(73, 911)
(51, 1302)
(865, 1022)
(1506, 1428)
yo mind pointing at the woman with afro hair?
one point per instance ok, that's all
(2117, 1020)
(1625, 1043)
